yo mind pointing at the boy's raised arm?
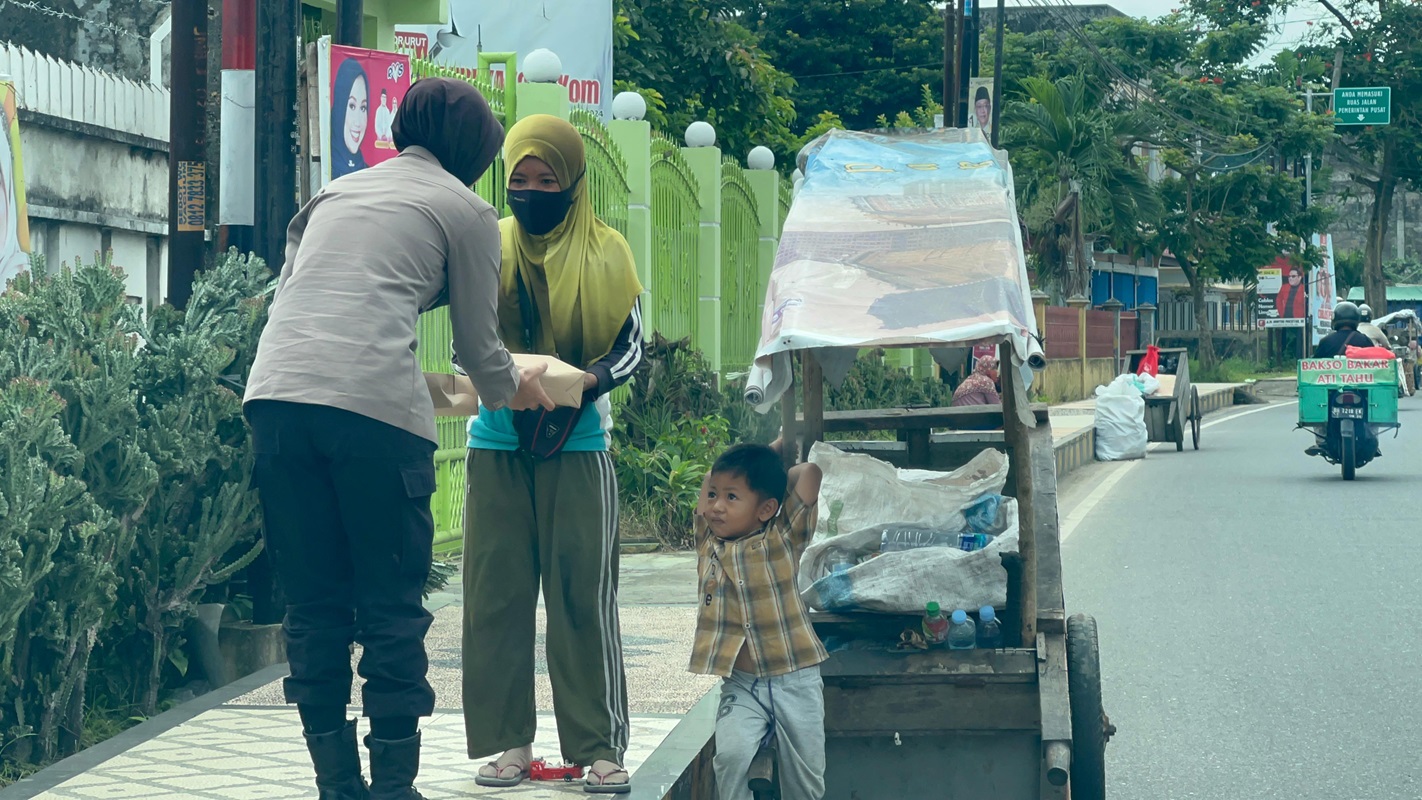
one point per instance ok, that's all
(804, 481)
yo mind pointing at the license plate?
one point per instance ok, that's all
(1347, 412)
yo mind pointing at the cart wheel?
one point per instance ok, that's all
(1090, 728)
(1195, 415)
(1179, 427)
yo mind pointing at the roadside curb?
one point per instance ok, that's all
(1078, 448)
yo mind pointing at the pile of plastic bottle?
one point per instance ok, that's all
(959, 631)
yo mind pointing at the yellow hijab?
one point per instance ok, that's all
(580, 274)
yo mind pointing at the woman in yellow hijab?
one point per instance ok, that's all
(542, 499)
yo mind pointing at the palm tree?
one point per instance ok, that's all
(1075, 176)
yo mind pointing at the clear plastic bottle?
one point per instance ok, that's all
(989, 629)
(909, 537)
(962, 634)
(935, 624)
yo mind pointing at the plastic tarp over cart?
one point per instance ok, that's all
(896, 241)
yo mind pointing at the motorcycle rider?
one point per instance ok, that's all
(1368, 329)
(1346, 319)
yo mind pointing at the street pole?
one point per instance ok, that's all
(960, 108)
(997, 71)
(950, 66)
(1308, 201)
(970, 58)
(187, 149)
(350, 19)
(278, 31)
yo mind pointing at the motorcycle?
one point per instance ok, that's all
(1346, 403)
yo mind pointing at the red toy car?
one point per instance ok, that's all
(538, 770)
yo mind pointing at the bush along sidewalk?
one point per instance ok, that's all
(123, 491)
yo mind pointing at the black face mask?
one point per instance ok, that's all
(540, 212)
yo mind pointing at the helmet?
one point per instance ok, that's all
(1346, 314)
(1366, 311)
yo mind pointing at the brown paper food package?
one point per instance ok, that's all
(563, 382)
(453, 395)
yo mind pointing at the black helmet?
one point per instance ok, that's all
(1346, 314)
(1367, 312)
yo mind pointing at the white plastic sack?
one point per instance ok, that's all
(1120, 421)
(1150, 385)
(904, 582)
(860, 491)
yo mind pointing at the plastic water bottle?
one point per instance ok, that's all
(989, 629)
(962, 634)
(907, 537)
(935, 625)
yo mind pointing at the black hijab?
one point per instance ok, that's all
(343, 161)
(453, 121)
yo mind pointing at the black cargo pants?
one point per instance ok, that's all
(346, 501)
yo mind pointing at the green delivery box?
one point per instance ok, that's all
(1377, 376)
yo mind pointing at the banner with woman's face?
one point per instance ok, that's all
(14, 220)
(361, 91)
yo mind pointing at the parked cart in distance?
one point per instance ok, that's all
(1177, 405)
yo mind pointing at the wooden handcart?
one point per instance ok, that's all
(1023, 722)
(1169, 413)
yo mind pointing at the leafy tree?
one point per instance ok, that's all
(694, 61)
(861, 60)
(1070, 158)
(1363, 43)
(1225, 225)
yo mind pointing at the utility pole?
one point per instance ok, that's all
(278, 32)
(350, 19)
(997, 70)
(960, 115)
(187, 149)
(950, 66)
(970, 58)
(1309, 288)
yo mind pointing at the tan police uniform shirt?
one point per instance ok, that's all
(363, 259)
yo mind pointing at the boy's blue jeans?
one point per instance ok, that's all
(793, 707)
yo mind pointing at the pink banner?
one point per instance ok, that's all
(367, 87)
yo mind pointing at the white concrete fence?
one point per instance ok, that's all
(96, 165)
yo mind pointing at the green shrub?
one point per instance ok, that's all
(123, 488)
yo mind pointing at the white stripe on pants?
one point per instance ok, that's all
(743, 718)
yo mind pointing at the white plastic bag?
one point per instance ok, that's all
(1120, 421)
(903, 582)
(860, 491)
(1149, 384)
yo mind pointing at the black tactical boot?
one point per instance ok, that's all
(337, 762)
(393, 766)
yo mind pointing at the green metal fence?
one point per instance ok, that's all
(741, 292)
(676, 228)
(606, 171)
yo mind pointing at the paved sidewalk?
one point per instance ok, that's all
(243, 743)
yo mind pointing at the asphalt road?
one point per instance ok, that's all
(1258, 615)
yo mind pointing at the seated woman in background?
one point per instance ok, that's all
(980, 388)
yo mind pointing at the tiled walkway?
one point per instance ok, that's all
(253, 753)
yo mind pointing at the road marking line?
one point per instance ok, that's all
(1086, 506)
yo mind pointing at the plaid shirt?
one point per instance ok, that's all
(748, 598)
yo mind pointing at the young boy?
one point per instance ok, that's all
(753, 522)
